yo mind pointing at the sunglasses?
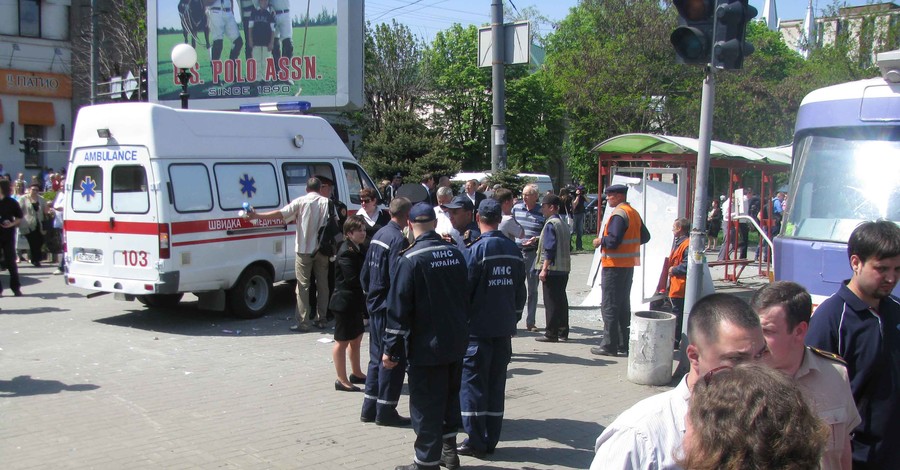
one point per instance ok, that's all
(365, 200)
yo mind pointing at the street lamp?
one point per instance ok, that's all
(184, 57)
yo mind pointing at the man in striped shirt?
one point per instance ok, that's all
(528, 214)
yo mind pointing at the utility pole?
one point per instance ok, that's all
(498, 128)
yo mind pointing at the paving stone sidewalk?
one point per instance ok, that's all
(98, 383)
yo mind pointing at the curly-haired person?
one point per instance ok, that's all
(750, 417)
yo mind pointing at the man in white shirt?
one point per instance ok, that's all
(311, 213)
(723, 332)
(444, 225)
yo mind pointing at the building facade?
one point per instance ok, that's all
(35, 83)
(869, 29)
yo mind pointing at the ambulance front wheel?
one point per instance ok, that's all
(250, 296)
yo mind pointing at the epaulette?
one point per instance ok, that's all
(828, 355)
(473, 241)
(466, 234)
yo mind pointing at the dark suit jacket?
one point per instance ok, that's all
(348, 293)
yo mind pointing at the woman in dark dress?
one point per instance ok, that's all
(348, 304)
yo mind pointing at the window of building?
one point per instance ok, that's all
(30, 18)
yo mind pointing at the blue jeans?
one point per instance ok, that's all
(578, 230)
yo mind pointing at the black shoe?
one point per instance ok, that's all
(300, 328)
(547, 339)
(469, 451)
(601, 351)
(357, 380)
(413, 466)
(36, 265)
(17, 292)
(366, 419)
(449, 457)
(396, 421)
(343, 388)
(320, 325)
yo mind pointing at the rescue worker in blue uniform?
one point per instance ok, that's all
(427, 320)
(383, 386)
(497, 296)
(861, 323)
(461, 209)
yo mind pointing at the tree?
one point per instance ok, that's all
(612, 64)
(406, 145)
(535, 124)
(122, 36)
(393, 68)
(460, 98)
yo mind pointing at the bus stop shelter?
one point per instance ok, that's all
(630, 151)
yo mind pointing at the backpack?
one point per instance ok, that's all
(330, 233)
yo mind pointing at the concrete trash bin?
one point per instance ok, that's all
(650, 350)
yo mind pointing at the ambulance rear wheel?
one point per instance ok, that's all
(250, 297)
(160, 300)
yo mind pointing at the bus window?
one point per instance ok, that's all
(191, 188)
(840, 181)
(296, 174)
(129, 190)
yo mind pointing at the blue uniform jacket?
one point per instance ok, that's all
(468, 236)
(870, 343)
(427, 313)
(384, 251)
(496, 285)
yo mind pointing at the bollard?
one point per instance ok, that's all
(650, 350)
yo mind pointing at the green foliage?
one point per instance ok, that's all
(509, 180)
(393, 70)
(460, 99)
(535, 123)
(406, 145)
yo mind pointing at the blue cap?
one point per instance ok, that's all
(422, 212)
(460, 202)
(490, 207)
(617, 188)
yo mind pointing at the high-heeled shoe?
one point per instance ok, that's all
(343, 388)
(355, 379)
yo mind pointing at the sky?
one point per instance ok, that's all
(427, 17)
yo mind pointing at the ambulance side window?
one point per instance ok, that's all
(87, 189)
(191, 188)
(129, 190)
(237, 183)
(356, 180)
(296, 174)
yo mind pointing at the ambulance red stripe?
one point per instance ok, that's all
(104, 226)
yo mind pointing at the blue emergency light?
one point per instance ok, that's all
(277, 107)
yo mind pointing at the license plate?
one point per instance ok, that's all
(89, 257)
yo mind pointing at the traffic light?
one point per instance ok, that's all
(143, 85)
(692, 38)
(30, 146)
(729, 48)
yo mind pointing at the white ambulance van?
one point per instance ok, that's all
(154, 195)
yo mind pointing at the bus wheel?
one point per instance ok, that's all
(250, 296)
(160, 300)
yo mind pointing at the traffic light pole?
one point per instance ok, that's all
(697, 254)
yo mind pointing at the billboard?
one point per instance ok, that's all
(258, 51)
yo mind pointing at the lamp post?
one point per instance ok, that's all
(184, 57)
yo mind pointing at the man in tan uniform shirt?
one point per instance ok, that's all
(784, 309)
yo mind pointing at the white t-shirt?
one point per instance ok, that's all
(310, 212)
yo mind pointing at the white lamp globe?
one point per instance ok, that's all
(184, 56)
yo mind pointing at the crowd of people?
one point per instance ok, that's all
(30, 223)
(769, 386)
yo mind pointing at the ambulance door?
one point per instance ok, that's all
(295, 175)
(114, 228)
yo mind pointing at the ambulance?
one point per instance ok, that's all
(154, 196)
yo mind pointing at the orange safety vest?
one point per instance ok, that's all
(628, 253)
(678, 282)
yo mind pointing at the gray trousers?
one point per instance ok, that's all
(532, 287)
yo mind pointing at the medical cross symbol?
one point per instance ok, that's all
(87, 188)
(247, 185)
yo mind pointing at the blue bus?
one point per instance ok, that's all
(845, 170)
